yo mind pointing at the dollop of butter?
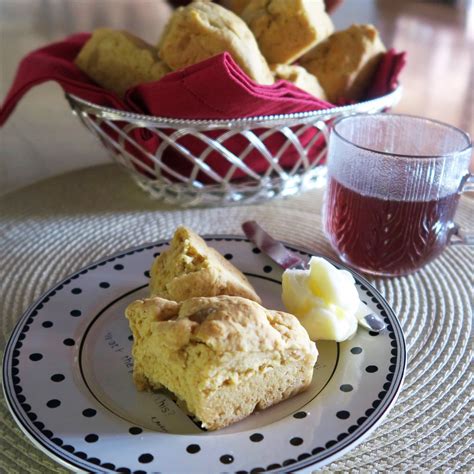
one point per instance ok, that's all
(324, 299)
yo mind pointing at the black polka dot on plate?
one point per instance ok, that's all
(104, 284)
(156, 254)
(68, 342)
(139, 472)
(330, 444)
(346, 387)
(147, 273)
(371, 369)
(317, 451)
(193, 448)
(91, 438)
(343, 414)
(109, 465)
(228, 256)
(300, 414)
(54, 403)
(256, 437)
(256, 250)
(76, 291)
(373, 333)
(47, 324)
(75, 313)
(296, 441)
(356, 350)
(145, 458)
(130, 338)
(226, 459)
(135, 430)
(89, 412)
(342, 436)
(119, 266)
(57, 377)
(95, 461)
(273, 466)
(36, 356)
(267, 269)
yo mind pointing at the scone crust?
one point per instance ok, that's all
(300, 77)
(286, 30)
(118, 60)
(346, 61)
(202, 30)
(222, 356)
(199, 271)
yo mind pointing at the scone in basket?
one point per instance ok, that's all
(218, 162)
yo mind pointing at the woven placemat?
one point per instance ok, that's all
(55, 227)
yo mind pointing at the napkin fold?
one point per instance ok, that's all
(214, 89)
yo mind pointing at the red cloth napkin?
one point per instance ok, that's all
(213, 89)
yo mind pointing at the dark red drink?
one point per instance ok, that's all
(387, 236)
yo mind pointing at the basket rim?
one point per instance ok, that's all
(386, 100)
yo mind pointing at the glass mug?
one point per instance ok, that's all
(394, 183)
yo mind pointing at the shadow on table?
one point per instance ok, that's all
(95, 190)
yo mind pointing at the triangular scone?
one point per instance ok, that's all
(223, 356)
(345, 62)
(190, 268)
(204, 29)
(300, 77)
(118, 60)
(285, 30)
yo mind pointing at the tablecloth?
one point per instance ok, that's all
(54, 227)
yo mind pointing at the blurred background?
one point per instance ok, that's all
(43, 139)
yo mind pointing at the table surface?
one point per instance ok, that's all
(53, 227)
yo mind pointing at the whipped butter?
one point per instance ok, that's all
(324, 299)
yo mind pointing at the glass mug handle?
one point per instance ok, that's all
(458, 236)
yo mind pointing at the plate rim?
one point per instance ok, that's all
(310, 461)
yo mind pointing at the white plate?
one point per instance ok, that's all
(67, 381)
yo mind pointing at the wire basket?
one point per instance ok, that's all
(219, 162)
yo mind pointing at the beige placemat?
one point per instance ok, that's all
(55, 227)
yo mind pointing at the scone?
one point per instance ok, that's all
(284, 29)
(190, 268)
(117, 60)
(346, 61)
(202, 30)
(223, 356)
(300, 77)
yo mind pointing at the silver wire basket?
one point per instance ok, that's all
(219, 162)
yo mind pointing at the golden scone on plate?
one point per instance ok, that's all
(346, 61)
(237, 6)
(190, 268)
(202, 30)
(117, 60)
(284, 29)
(300, 77)
(223, 356)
